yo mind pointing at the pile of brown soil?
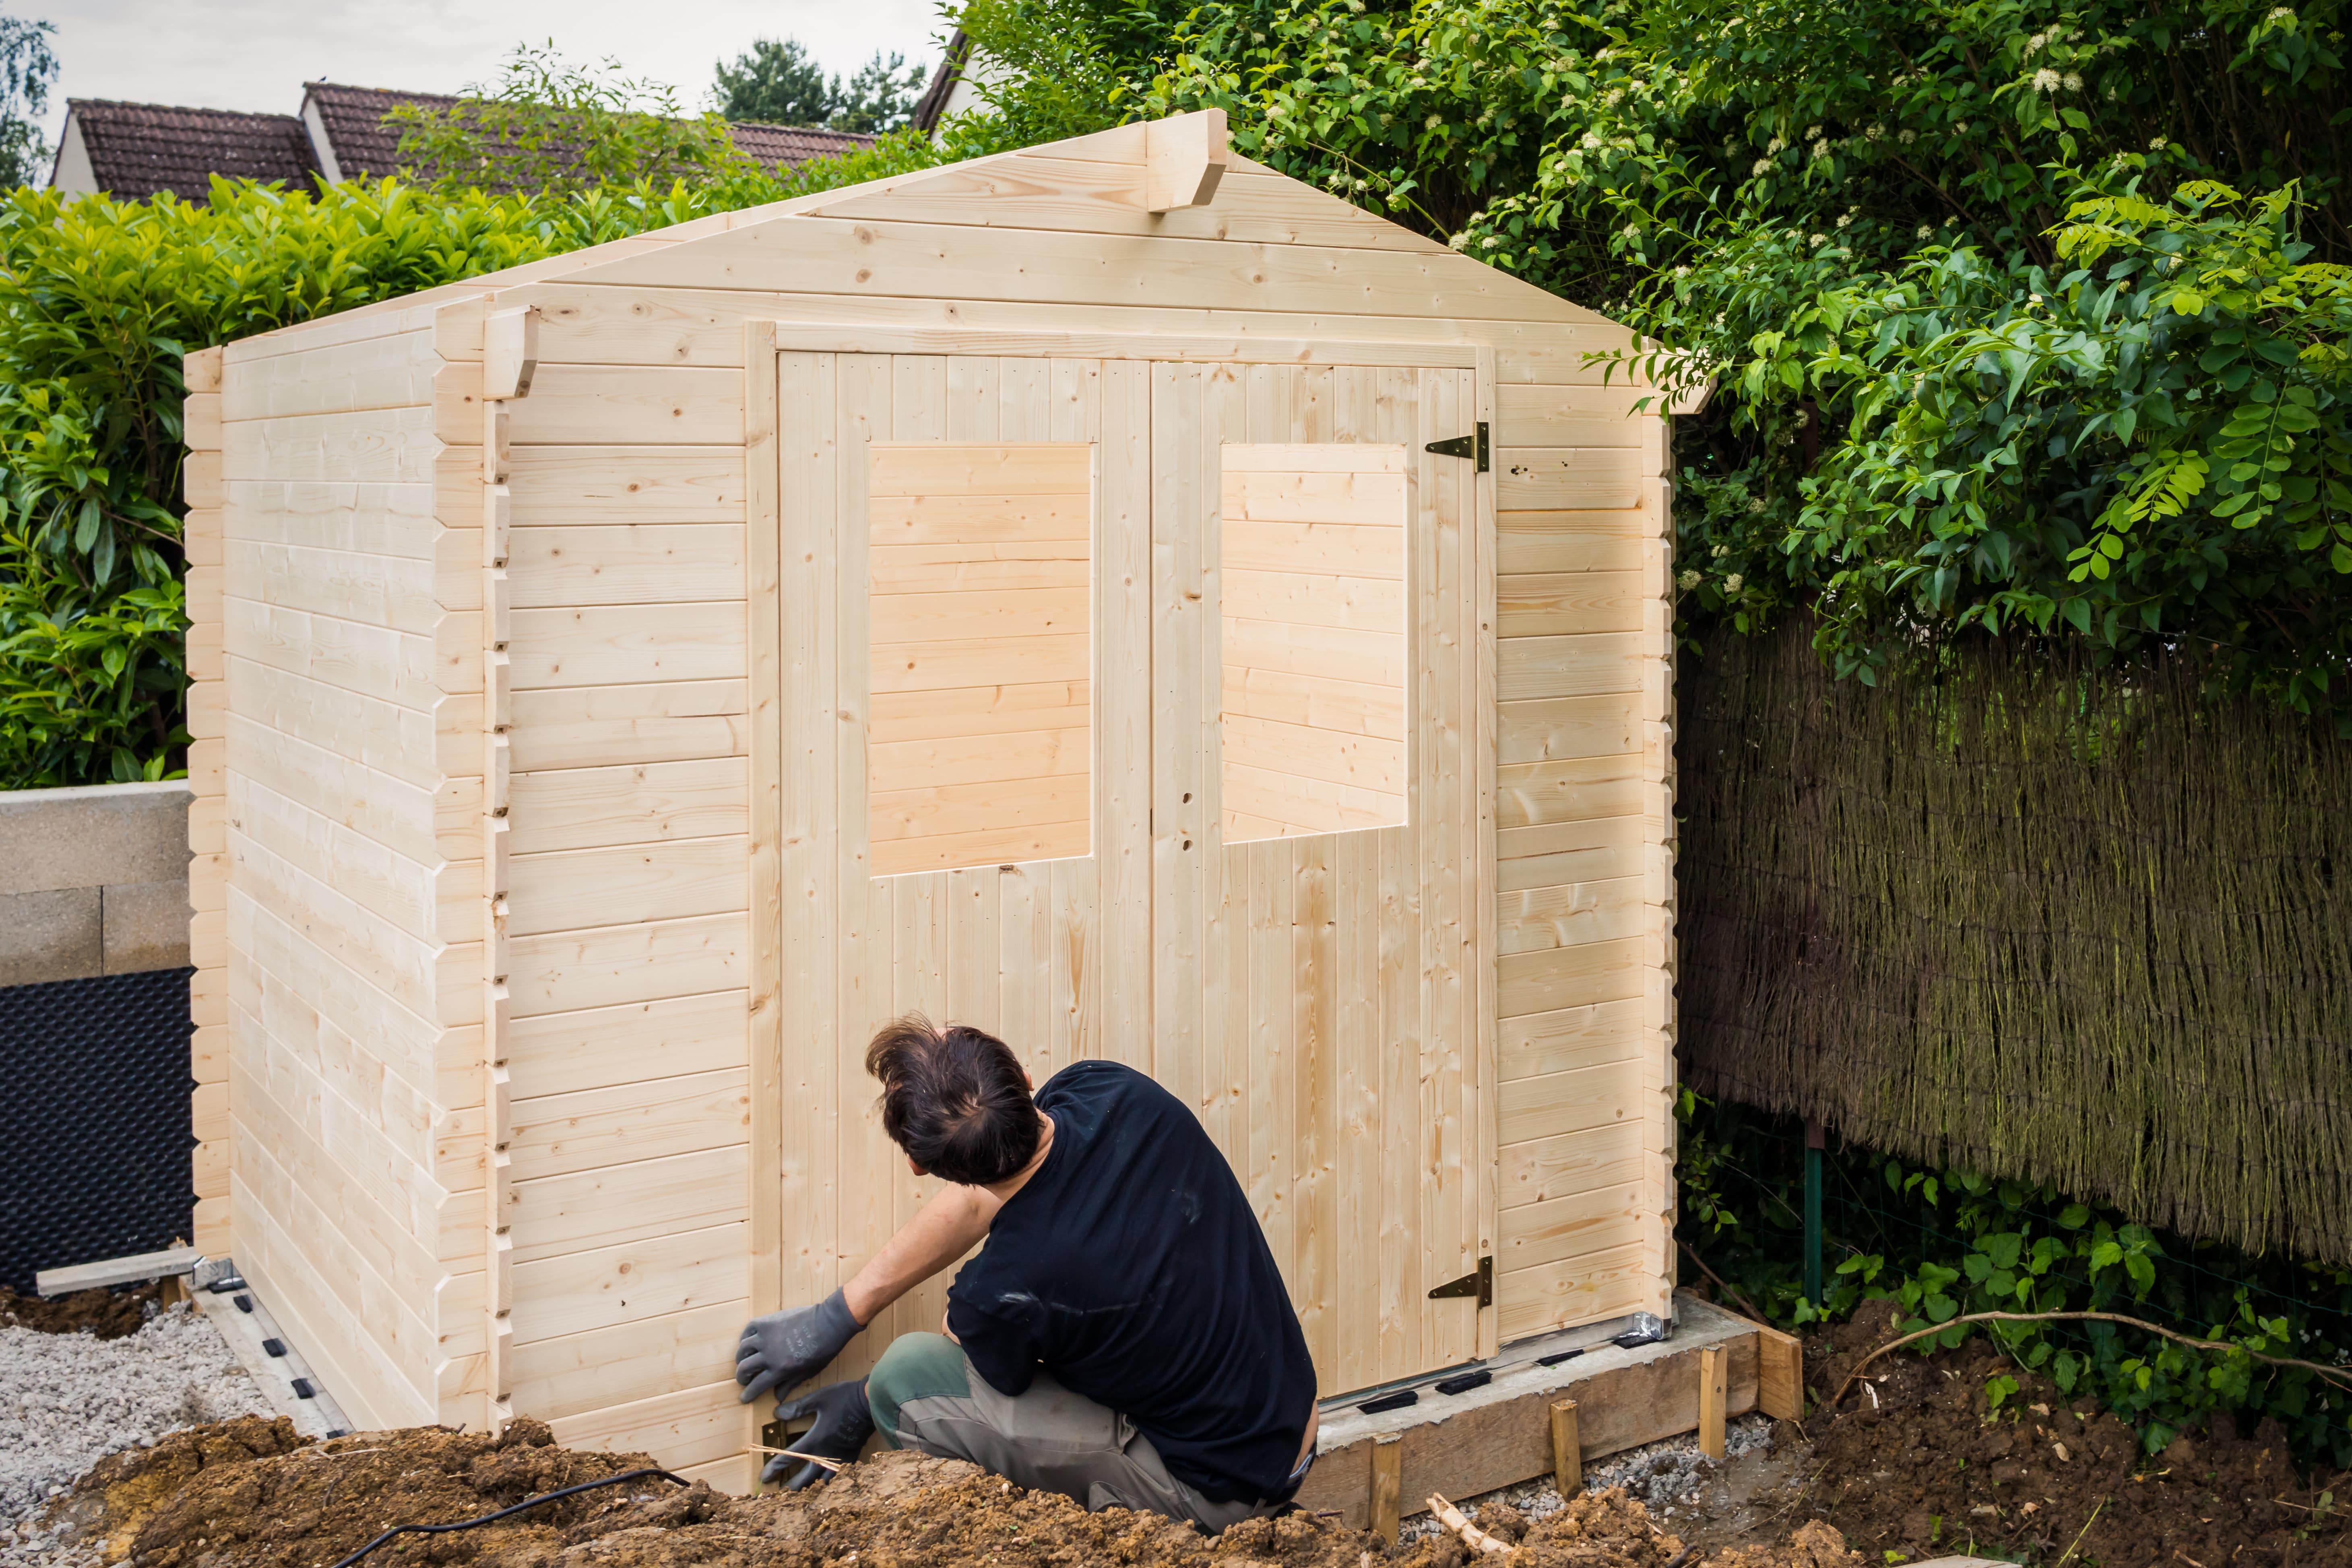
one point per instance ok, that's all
(108, 1314)
(1927, 1466)
(249, 1494)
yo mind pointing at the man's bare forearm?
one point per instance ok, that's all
(953, 1222)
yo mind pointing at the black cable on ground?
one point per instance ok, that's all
(505, 1512)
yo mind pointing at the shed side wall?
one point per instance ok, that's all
(208, 1055)
(629, 806)
(350, 782)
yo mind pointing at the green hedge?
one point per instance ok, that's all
(99, 300)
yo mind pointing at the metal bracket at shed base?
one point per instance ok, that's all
(1478, 1282)
(1473, 446)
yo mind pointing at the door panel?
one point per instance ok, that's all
(1316, 994)
(1313, 996)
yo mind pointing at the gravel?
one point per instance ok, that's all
(69, 1400)
(1664, 1475)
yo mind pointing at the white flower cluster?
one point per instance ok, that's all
(2046, 80)
(1689, 580)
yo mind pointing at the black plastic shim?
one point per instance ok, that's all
(95, 1123)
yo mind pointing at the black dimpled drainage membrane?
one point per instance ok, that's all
(94, 1129)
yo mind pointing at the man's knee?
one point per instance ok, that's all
(915, 1366)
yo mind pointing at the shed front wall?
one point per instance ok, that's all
(631, 955)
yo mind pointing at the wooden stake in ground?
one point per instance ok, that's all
(1388, 1486)
(1567, 1453)
(1714, 1393)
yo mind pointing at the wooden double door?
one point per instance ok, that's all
(1035, 618)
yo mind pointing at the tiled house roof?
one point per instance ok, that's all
(362, 146)
(135, 150)
(933, 107)
(131, 151)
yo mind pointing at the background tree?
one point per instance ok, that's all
(27, 70)
(776, 82)
(780, 83)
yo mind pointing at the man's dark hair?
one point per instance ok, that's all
(954, 1099)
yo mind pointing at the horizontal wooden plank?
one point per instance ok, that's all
(1537, 667)
(649, 803)
(557, 1134)
(579, 1291)
(966, 807)
(979, 521)
(686, 1431)
(594, 405)
(628, 644)
(394, 372)
(1294, 457)
(1576, 789)
(1593, 850)
(1535, 1044)
(610, 1205)
(1334, 653)
(1539, 541)
(830, 256)
(1587, 1289)
(574, 888)
(923, 470)
(1569, 915)
(973, 567)
(644, 1360)
(1544, 728)
(417, 746)
(1039, 189)
(1544, 1107)
(1311, 547)
(1572, 1162)
(982, 661)
(976, 759)
(1553, 604)
(592, 726)
(578, 487)
(552, 1054)
(413, 670)
(1552, 416)
(641, 962)
(1569, 1226)
(1552, 978)
(663, 325)
(378, 446)
(634, 564)
(1560, 479)
(1332, 598)
(1368, 497)
(1348, 706)
(393, 520)
(925, 714)
(1334, 756)
(987, 615)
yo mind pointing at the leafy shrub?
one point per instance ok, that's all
(1917, 248)
(1942, 1244)
(99, 300)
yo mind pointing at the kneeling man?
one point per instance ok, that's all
(1123, 1336)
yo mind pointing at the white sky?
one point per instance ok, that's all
(255, 55)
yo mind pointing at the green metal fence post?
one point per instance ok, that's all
(1815, 1137)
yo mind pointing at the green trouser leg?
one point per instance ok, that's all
(915, 1366)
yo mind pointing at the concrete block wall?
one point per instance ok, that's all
(93, 880)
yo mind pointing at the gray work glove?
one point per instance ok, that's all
(784, 1350)
(844, 1421)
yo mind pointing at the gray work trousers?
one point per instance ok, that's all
(926, 1397)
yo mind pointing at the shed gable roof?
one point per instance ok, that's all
(138, 149)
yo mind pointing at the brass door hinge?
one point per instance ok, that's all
(1473, 445)
(1478, 1282)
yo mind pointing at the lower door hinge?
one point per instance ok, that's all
(1472, 446)
(1478, 1282)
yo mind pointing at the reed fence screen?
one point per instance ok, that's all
(2028, 919)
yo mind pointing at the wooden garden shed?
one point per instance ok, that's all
(1109, 593)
